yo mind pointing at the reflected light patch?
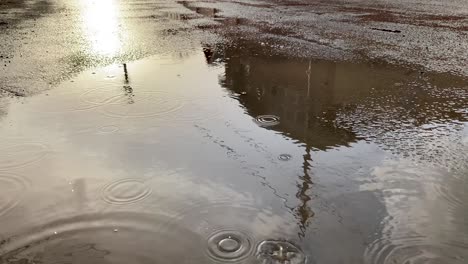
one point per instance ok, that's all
(100, 22)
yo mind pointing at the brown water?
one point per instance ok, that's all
(218, 156)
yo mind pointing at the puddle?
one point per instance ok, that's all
(221, 156)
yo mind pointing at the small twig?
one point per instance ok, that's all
(387, 30)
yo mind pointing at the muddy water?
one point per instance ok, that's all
(220, 156)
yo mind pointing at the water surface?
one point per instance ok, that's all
(208, 155)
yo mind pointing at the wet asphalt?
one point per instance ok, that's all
(44, 42)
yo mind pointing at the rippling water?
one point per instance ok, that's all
(218, 156)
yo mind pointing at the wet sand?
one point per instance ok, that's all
(193, 133)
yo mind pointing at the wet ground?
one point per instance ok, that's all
(210, 132)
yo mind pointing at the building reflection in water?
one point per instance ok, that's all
(300, 93)
(127, 88)
(303, 94)
(324, 105)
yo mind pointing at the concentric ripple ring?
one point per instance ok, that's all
(267, 120)
(21, 155)
(284, 157)
(126, 191)
(229, 246)
(12, 187)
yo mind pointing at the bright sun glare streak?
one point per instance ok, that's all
(100, 22)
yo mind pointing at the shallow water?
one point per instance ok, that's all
(214, 154)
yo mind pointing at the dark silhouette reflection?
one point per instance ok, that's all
(308, 96)
(209, 54)
(302, 94)
(303, 212)
(127, 88)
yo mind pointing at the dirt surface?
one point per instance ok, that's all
(46, 41)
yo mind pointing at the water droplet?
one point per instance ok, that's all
(116, 230)
(227, 245)
(284, 157)
(267, 120)
(279, 252)
(108, 129)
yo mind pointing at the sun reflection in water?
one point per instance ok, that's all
(100, 22)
